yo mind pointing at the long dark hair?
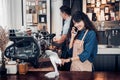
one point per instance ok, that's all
(77, 17)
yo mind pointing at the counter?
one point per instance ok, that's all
(64, 75)
(107, 59)
(109, 51)
(103, 50)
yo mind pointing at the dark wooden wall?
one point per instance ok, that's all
(75, 5)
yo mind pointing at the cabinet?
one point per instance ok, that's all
(110, 37)
(118, 63)
(107, 62)
(37, 14)
(102, 10)
(105, 14)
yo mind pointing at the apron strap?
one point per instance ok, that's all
(84, 34)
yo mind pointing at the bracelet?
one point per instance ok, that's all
(70, 60)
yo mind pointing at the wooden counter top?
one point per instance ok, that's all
(39, 75)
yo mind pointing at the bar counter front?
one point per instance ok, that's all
(65, 75)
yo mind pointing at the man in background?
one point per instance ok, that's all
(65, 13)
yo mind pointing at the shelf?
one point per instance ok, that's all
(37, 12)
(104, 12)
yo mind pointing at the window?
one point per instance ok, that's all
(3, 12)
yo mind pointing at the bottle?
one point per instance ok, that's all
(88, 2)
(40, 10)
(98, 4)
(94, 17)
(103, 1)
(92, 1)
(112, 1)
(108, 1)
(102, 25)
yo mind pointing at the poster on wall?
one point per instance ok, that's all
(106, 9)
(42, 19)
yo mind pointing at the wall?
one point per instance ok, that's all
(56, 18)
(15, 18)
(10, 13)
(16, 13)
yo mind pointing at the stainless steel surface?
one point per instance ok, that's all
(103, 49)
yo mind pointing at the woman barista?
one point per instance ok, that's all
(83, 43)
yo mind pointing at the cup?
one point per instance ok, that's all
(23, 68)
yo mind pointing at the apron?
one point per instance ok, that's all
(78, 48)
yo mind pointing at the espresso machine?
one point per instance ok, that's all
(29, 48)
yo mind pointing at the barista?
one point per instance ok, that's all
(65, 13)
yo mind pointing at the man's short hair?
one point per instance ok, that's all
(65, 9)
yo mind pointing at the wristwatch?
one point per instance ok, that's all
(70, 59)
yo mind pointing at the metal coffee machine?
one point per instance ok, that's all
(29, 48)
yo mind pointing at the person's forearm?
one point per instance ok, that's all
(69, 59)
(60, 41)
(71, 43)
(74, 58)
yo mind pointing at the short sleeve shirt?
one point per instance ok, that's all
(66, 26)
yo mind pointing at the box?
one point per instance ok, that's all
(11, 67)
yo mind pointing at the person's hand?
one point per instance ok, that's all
(55, 39)
(73, 32)
(51, 47)
(65, 61)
